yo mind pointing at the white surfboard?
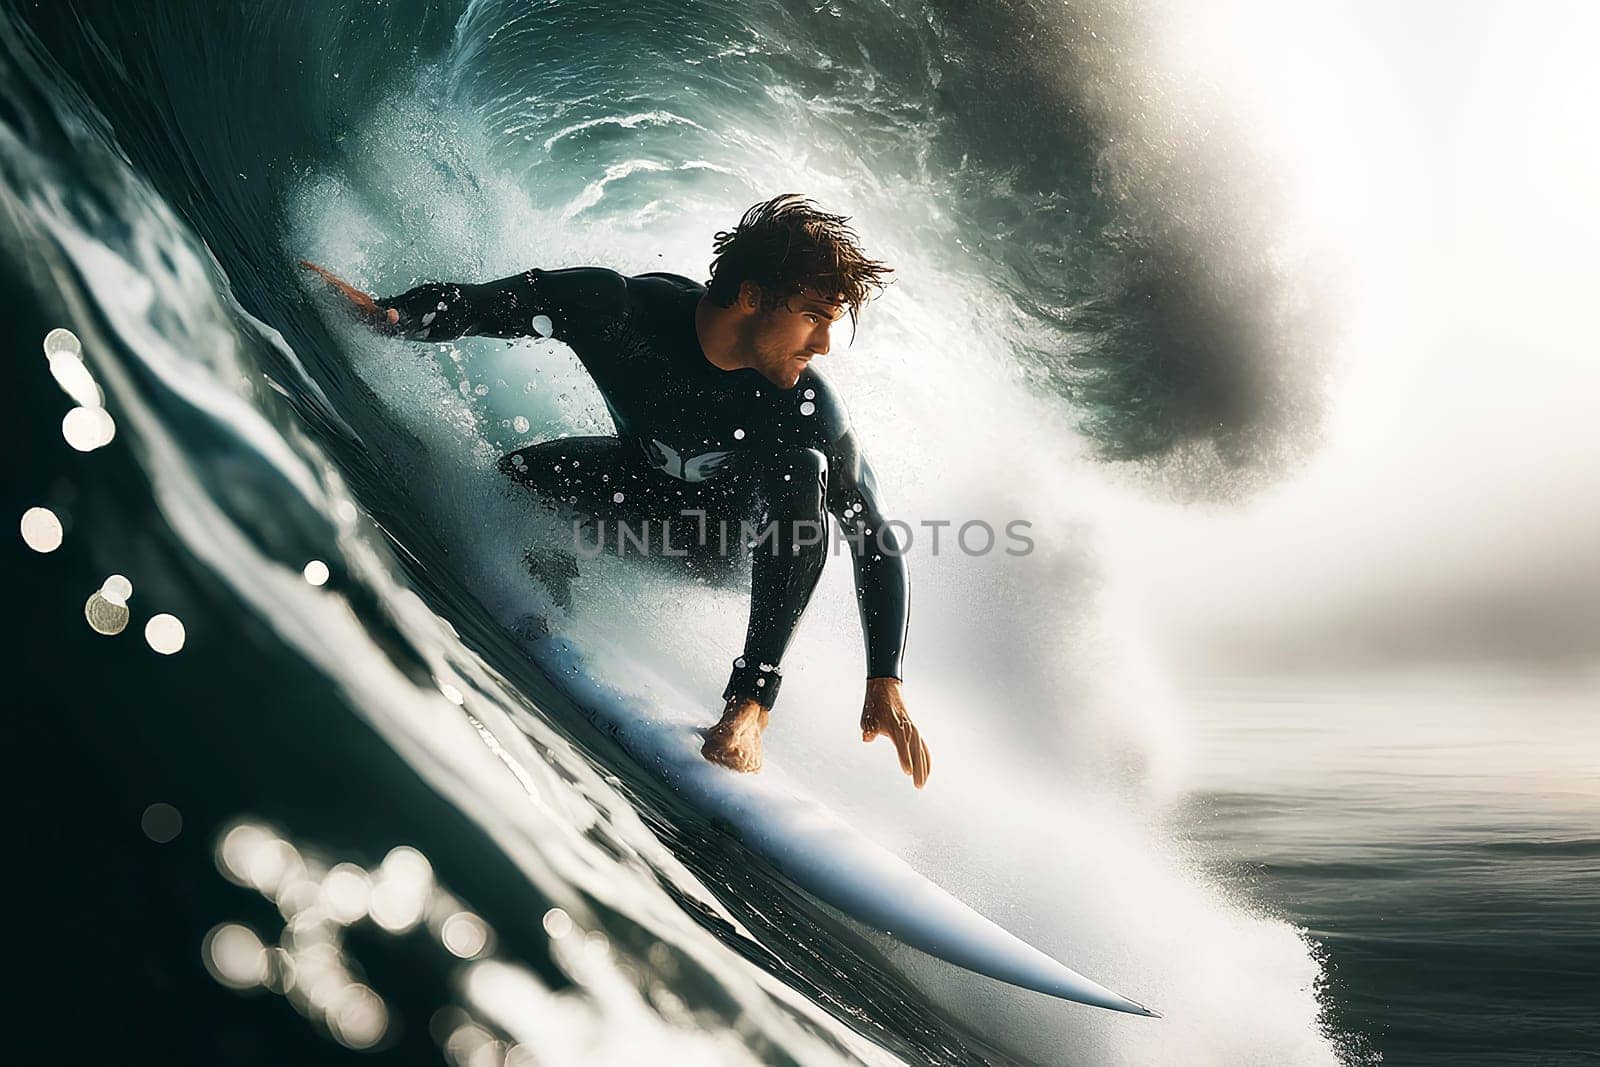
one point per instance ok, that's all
(811, 845)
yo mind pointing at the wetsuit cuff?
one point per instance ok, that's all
(756, 681)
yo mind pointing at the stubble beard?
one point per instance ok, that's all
(776, 363)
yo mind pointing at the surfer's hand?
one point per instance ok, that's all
(387, 319)
(735, 742)
(884, 714)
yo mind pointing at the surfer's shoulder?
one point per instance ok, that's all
(581, 285)
(662, 300)
(658, 279)
(819, 400)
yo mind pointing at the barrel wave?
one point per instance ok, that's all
(1073, 309)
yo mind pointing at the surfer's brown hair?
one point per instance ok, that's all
(787, 244)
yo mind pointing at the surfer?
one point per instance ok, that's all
(719, 415)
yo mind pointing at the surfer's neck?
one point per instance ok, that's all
(717, 329)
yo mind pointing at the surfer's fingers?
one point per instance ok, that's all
(362, 301)
(919, 759)
(903, 739)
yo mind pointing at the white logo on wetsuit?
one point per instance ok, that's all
(666, 459)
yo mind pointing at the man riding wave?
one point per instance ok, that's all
(720, 415)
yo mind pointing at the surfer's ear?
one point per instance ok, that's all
(749, 296)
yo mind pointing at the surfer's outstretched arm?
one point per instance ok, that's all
(536, 303)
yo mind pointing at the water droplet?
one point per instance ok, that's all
(811, 394)
(738, 435)
(543, 326)
(807, 408)
(617, 498)
(520, 424)
(316, 572)
(482, 390)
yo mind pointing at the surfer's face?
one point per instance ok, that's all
(785, 339)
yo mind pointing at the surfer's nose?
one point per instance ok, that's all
(821, 339)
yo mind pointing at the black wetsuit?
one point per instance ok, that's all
(694, 438)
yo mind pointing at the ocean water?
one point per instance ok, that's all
(349, 816)
(1435, 834)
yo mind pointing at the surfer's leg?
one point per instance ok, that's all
(582, 478)
(790, 551)
(592, 476)
(619, 506)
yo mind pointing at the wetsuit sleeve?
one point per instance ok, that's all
(565, 304)
(883, 582)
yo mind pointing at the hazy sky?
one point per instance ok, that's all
(1442, 161)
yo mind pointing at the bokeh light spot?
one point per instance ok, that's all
(165, 634)
(87, 429)
(234, 956)
(116, 589)
(465, 935)
(61, 340)
(105, 616)
(346, 893)
(557, 923)
(75, 379)
(41, 530)
(358, 1017)
(161, 822)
